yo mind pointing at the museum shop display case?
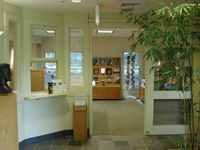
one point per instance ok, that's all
(106, 74)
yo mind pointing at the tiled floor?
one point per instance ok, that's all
(137, 142)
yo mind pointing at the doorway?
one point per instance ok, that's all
(116, 117)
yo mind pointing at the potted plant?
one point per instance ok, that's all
(168, 34)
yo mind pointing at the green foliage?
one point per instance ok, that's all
(169, 34)
(180, 143)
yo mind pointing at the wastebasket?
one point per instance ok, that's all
(80, 118)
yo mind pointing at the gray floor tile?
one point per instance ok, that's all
(31, 147)
(47, 143)
(90, 143)
(136, 143)
(93, 138)
(172, 147)
(162, 137)
(166, 142)
(90, 148)
(154, 147)
(74, 148)
(176, 136)
(58, 148)
(42, 147)
(106, 148)
(152, 143)
(135, 137)
(122, 148)
(121, 143)
(106, 143)
(64, 138)
(75, 143)
(138, 147)
(120, 138)
(105, 138)
(148, 137)
(60, 143)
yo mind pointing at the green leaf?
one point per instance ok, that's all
(167, 72)
(195, 103)
(183, 112)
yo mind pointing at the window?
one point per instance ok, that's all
(76, 64)
(136, 68)
(43, 41)
(43, 64)
(50, 68)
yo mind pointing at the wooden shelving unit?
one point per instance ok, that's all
(104, 88)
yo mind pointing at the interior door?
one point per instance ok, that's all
(162, 108)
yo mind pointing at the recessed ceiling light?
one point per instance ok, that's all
(50, 31)
(76, 1)
(104, 31)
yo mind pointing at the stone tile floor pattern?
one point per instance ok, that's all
(137, 142)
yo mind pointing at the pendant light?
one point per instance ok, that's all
(97, 14)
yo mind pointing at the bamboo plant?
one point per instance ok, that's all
(169, 34)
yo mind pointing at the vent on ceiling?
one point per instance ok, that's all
(129, 4)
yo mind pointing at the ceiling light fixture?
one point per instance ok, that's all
(76, 1)
(105, 31)
(97, 14)
(50, 31)
(1, 32)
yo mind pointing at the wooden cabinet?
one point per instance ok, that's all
(8, 122)
(80, 123)
(106, 92)
(142, 93)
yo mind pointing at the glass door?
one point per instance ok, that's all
(162, 106)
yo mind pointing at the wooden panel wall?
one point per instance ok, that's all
(37, 80)
(8, 122)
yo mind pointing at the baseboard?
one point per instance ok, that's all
(44, 138)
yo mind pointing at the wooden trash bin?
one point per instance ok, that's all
(80, 123)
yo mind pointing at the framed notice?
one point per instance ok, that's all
(76, 80)
(102, 61)
(108, 71)
(96, 71)
(116, 61)
(116, 69)
(96, 79)
(96, 61)
(109, 61)
(116, 78)
(109, 79)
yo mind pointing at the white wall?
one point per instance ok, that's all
(114, 47)
(1, 29)
(43, 116)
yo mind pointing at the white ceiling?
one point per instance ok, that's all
(88, 6)
(117, 32)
